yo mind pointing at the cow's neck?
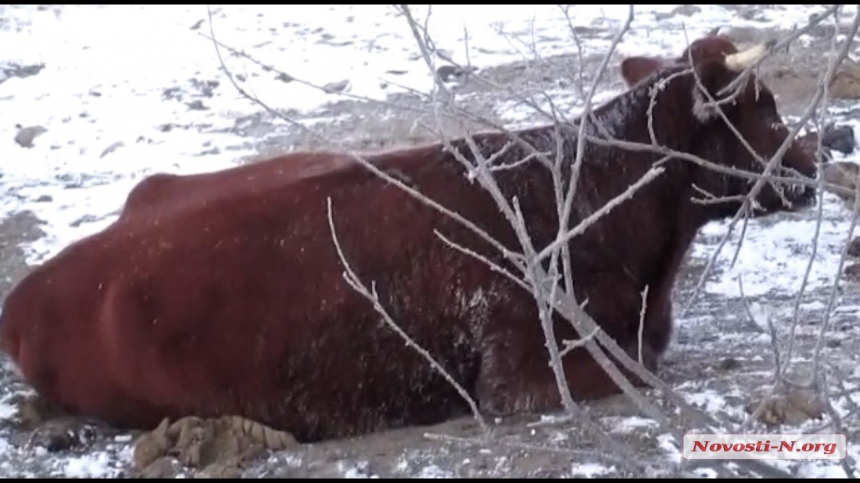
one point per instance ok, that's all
(655, 260)
(626, 118)
(663, 106)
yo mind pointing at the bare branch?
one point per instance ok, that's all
(642, 321)
(352, 279)
(649, 176)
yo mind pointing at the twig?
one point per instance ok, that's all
(355, 282)
(642, 320)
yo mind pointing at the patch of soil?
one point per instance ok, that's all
(15, 230)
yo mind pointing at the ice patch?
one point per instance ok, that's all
(7, 410)
(434, 471)
(820, 470)
(96, 465)
(670, 446)
(708, 400)
(590, 470)
(629, 424)
(706, 473)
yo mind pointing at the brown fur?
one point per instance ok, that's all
(164, 191)
(226, 297)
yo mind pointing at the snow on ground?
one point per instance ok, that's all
(118, 89)
(590, 470)
(774, 257)
(107, 68)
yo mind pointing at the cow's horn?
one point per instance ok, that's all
(738, 61)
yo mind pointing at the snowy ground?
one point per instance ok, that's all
(124, 91)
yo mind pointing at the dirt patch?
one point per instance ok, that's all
(15, 230)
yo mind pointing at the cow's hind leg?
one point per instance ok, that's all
(200, 443)
(519, 382)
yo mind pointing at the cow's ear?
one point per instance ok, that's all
(634, 69)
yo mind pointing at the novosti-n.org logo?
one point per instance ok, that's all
(765, 446)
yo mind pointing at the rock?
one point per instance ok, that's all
(854, 247)
(206, 88)
(852, 272)
(728, 364)
(686, 10)
(63, 434)
(11, 69)
(836, 138)
(53, 428)
(172, 93)
(26, 135)
(197, 105)
(113, 147)
(84, 219)
(447, 73)
(842, 174)
(793, 408)
(846, 82)
(839, 138)
(336, 87)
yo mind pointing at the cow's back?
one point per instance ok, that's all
(167, 191)
(194, 299)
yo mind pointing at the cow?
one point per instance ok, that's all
(223, 294)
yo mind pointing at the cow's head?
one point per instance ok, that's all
(751, 110)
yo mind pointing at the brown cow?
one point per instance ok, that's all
(226, 296)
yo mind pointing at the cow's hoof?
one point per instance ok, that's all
(261, 434)
(209, 444)
(152, 445)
